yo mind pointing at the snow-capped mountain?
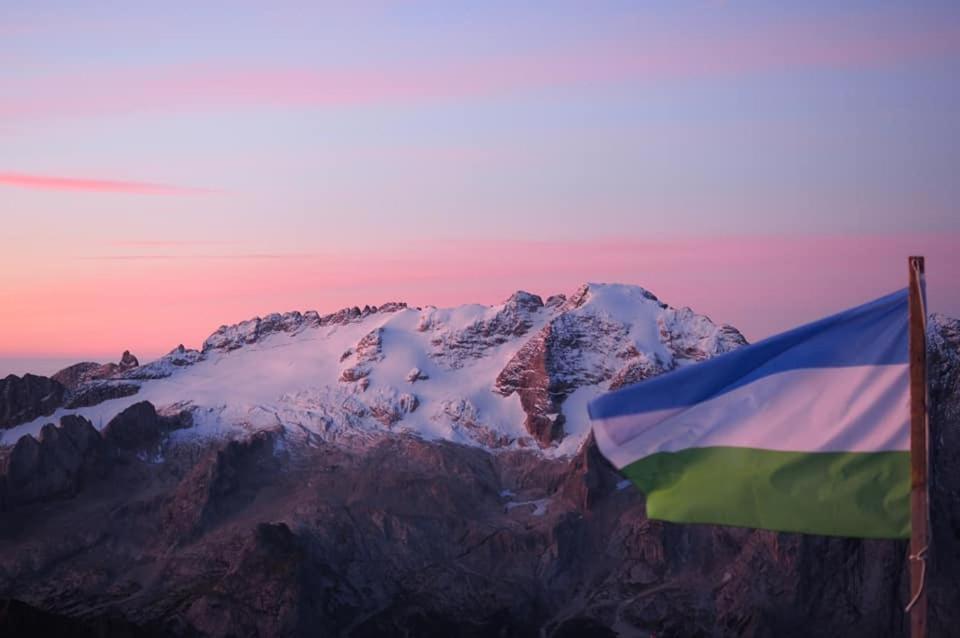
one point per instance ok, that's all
(412, 471)
(518, 374)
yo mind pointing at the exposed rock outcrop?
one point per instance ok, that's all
(416, 374)
(179, 357)
(62, 459)
(694, 337)
(454, 348)
(390, 407)
(358, 361)
(464, 418)
(584, 346)
(72, 377)
(231, 337)
(28, 397)
(528, 374)
(96, 392)
(370, 348)
(139, 427)
(57, 464)
(88, 383)
(640, 367)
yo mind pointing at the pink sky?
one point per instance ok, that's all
(167, 168)
(179, 292)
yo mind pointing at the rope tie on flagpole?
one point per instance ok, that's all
(923, 297)
(922, 557)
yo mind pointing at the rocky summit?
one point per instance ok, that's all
(409, 471)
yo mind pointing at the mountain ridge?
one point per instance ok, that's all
(137, 524)
(514, 374)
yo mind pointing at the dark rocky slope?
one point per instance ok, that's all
(406, 537)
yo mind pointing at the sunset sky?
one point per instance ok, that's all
(169, 167)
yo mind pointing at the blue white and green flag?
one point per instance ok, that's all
(807, 431)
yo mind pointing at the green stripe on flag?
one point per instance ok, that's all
(856, 494)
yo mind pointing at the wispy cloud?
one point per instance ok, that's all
(56, 183)
(171, 243)
(623, 61)
(156, 257)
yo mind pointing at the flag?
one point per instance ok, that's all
(807, 431)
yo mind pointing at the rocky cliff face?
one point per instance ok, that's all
(28, 397)
(58, 463)
(587, 345)
(167, 522)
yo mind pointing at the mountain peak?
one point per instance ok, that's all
(612, 296)
(347, 374)
(524, 299)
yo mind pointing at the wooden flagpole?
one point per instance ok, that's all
(919, 464)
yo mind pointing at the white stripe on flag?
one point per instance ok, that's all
(843, 409)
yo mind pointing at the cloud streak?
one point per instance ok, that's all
(156, 257)
(171, 243)
(74, 184)
(625, 61)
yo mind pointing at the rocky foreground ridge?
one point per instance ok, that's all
(155, 522)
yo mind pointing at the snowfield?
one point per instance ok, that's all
(491, 376)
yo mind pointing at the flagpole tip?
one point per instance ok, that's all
(916, 261)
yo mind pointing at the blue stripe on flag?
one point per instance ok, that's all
(872, 334)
